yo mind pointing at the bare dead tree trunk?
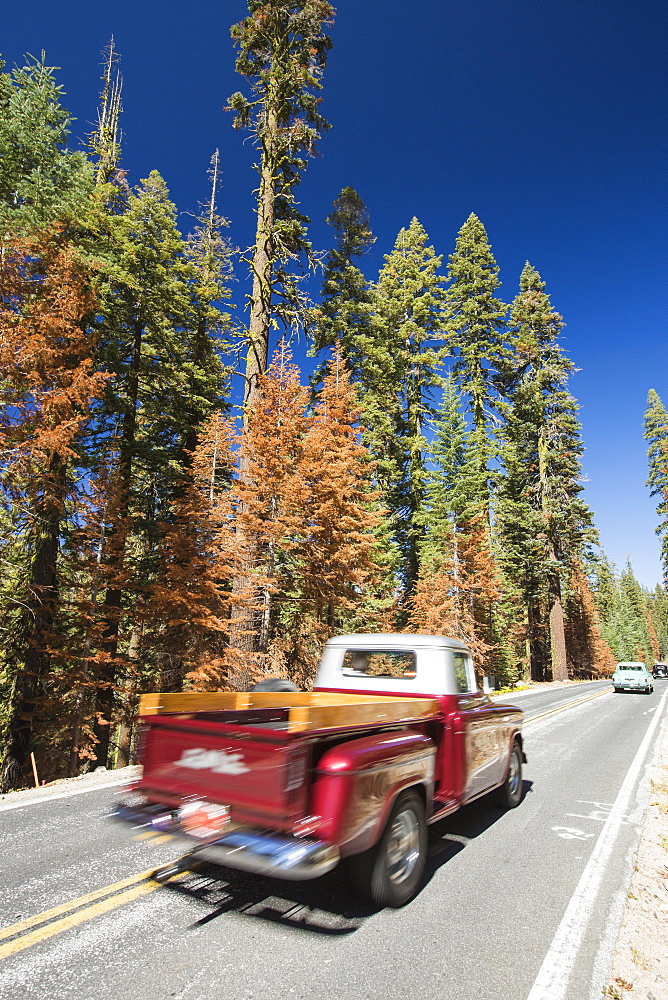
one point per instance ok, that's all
(128, 707)
(243, 628)
(262, 266)
(557, 631)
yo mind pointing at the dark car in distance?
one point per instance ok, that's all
(660, 670)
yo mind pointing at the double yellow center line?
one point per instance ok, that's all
(76, 912)
(567, 705)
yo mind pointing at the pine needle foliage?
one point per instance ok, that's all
(157, 321)
(339, 551)
(457, 591)
(476, 322)
(271, 491)
(656, 433)
(589, 655)
(190, 602)
(41, 181)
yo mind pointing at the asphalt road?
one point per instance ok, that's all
(522, 905)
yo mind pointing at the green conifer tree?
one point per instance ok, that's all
(156, 304)
(624, 624)
(447, 479)
(400, 372)
(543, 524)
(476, 331)
(344, 315)
(634, 598)
(656, 433)
(40, 179)
(657, 603)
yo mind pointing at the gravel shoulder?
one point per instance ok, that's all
(640, 964)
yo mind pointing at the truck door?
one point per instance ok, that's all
(480, 730)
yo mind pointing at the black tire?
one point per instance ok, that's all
(275, 684)
(509, 794)
(391, 872)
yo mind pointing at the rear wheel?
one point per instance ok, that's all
(391, 872)
(509, 794)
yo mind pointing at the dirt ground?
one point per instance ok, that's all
(640, 966)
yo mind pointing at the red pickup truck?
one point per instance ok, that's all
(395, 735)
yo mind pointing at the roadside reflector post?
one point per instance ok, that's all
(34, 769)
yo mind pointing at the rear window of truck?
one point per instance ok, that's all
(398, 664)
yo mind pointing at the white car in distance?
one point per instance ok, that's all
(632, 676)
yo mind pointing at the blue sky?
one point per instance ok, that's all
(544, 117)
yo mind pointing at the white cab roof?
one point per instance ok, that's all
(398, 640)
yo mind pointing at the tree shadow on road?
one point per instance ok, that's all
(327, 905)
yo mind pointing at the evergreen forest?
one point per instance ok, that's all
(184, 506)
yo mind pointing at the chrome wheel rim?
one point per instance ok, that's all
(403, 846)
(514, 773)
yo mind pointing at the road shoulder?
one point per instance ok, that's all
(640, 964)
(65, 787)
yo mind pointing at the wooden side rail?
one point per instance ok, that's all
(308, 710)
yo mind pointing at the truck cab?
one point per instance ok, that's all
(474, 735)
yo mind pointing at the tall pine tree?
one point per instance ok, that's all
(399, 376)
(48, 387)
(282, 53)
(476, 321)
(41, 180)
(344, 315)
(155, 309)
(543, 522)
(656, 433)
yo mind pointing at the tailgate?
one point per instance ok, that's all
(259, 775)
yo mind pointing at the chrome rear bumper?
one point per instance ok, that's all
(269, 854)
(243, 848)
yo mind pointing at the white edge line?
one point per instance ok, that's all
(552, 980)
(64, 795)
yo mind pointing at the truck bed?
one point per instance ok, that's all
(252, 750)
